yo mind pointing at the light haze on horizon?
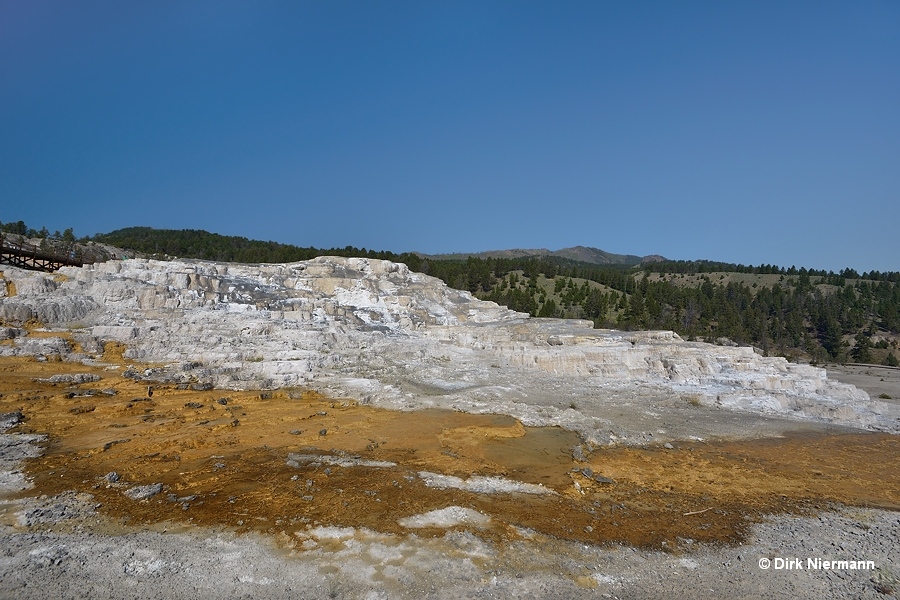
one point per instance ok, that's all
(758, 132)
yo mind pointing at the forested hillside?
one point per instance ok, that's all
(798, 313)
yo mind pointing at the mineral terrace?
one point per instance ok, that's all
(349, 428)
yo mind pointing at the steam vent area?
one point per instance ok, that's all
(350, 428)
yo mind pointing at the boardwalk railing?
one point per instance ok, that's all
(35, 258)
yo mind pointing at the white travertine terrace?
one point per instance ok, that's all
(376, 331)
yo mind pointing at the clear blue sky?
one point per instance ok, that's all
(749, 132)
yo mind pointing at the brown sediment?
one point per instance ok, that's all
(222, 458)
(10, 287)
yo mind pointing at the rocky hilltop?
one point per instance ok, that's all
(378, 332)
(584, 254)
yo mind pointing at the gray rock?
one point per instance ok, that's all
(578, 453)
(8, 333)
(10, 419)
(142, 492)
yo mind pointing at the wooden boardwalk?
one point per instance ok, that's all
(35, 258)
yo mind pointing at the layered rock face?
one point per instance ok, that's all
(376, 331)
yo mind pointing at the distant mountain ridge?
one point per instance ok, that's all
(584, 254)
(197, 243)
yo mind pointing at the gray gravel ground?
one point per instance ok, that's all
(877, 380)
(89, 562)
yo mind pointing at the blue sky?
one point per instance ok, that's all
(747, 132)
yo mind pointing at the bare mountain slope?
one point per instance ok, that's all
(584, 254)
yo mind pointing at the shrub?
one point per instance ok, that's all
(693, 400)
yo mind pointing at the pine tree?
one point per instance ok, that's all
(862, 350)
